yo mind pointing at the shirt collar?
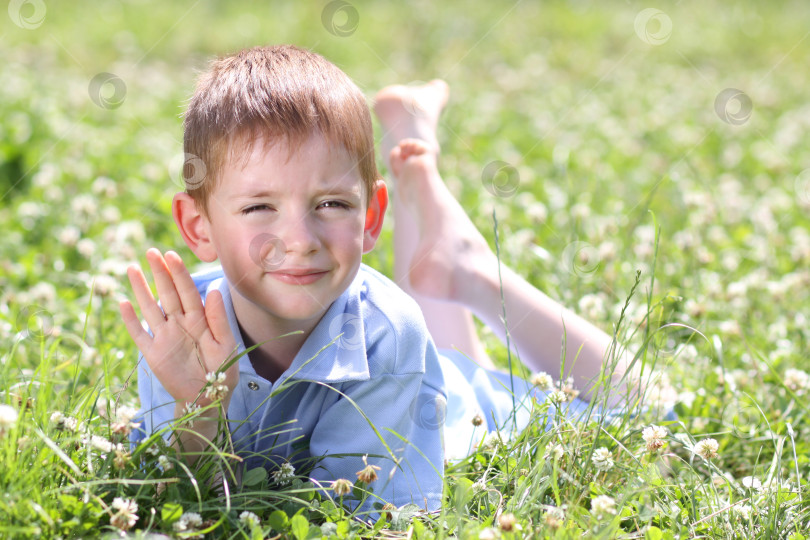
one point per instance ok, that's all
(335, 350)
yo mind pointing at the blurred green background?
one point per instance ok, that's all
(602, 111)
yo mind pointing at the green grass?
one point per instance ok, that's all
(616, 144)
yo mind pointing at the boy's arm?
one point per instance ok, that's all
(188, 341)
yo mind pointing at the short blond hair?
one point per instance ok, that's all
(272, 93)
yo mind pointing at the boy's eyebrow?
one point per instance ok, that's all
(335, 189)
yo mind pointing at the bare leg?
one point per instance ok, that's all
(413, 112)
(452, 262)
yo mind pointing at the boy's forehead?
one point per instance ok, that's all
(329, 164)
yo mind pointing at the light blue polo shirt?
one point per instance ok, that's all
(368, 380)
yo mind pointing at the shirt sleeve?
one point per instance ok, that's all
(157, 405)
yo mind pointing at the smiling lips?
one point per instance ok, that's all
(298, 276)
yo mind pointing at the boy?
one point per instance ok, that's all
(290, 201)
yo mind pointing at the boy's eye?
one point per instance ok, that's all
(255, 208)
(334, 204)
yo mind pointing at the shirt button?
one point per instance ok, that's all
(253, 385)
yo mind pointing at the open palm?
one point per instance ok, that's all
(188, 339)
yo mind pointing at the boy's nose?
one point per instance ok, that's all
(299, 236)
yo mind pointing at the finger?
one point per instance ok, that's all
(140, 336)
(187, 292)
(217, 318)
(164, 281)
(143, 295)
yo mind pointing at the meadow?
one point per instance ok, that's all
(648, 167)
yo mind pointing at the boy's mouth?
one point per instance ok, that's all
(299, 276)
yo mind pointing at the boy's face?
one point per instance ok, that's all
(289, 230)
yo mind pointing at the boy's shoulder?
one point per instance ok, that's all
(383, 294)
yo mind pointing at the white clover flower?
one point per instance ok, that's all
(569, 390)
(106, 186)
(213, 377)
(479, 486)
(555, 451)
(654, 437)
(126, 515)
(342, 487)
(8, 417)
(743, 510)
(491, 441)
(86, 247)
(797, 380)
(602, 459)
(554, 517)
(490, 533)
(249, 519)
(558, 397)
(543, 381)
(104, 285)
(191, 410)
(283, 474)
(216, 389)
(707, 448)
(101, 444)
(153, 450)
(603, 505)
(188, 522)
(751, 482)
(84, 204)
(123, 420)
(164, 462)
(58, 420)
(69, 236)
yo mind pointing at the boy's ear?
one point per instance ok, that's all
(375, 215)
(194, 227)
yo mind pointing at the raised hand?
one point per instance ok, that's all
(190, 340)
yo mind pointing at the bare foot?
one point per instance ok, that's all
(410, 112)
(449, 250)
